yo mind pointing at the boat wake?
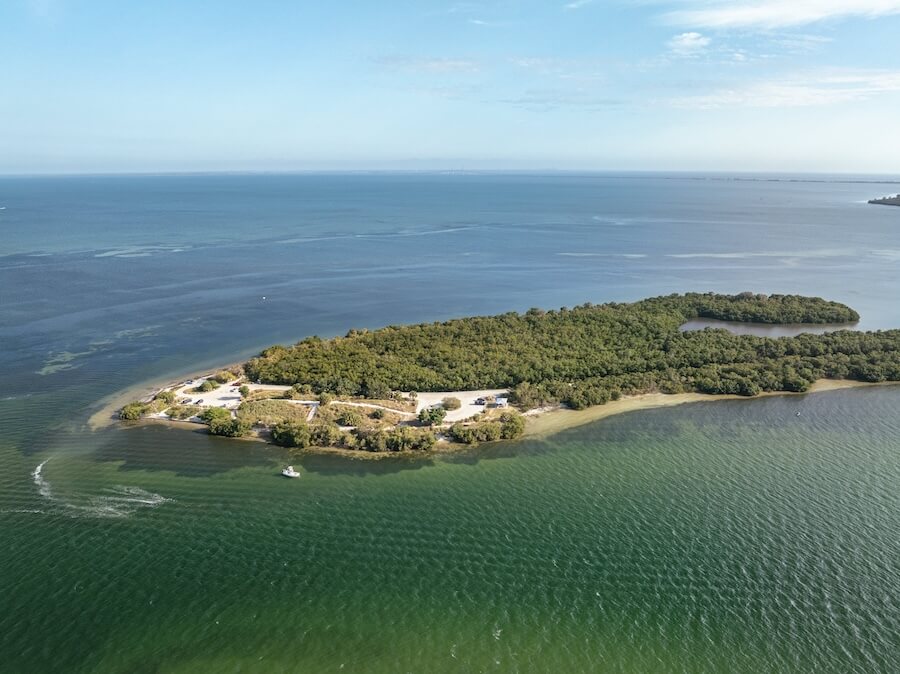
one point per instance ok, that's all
(116, 502)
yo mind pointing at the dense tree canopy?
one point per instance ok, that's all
(591, 354)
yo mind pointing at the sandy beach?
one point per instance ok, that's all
(558, 419)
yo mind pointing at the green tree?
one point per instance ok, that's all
(432, 416)
(512, 425)
(132, 411)
(231, 428)
(292, 434)
(167, 397)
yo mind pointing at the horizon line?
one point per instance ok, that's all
(610, 173)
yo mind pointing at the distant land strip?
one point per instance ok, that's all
(886, 201)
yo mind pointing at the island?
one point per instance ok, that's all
(886, 201)
(471, 380)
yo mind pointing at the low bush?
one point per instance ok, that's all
(182, 412)
(507, 426)
(133, 411)
(432, 416)
(167, 397)
(349, 417)
(206, 386)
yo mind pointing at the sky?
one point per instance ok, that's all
(270, 85)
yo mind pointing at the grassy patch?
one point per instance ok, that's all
(182, 412)
(271, 412)
(335, 413)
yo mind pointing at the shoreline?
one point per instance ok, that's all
(540, 423)
(108, 407)
(556, 420)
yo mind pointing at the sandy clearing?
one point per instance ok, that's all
(225, 396)
(467, 398)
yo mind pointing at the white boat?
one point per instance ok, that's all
(290, 472)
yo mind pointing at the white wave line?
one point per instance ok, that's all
(125, 501)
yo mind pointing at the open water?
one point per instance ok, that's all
(715, 537)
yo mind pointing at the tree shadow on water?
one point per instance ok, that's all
(185, 452)
(341, 464)
(192, 452)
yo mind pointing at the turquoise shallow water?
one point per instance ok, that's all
(717, 537)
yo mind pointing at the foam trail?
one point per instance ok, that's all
(41, 483)
(123, 501)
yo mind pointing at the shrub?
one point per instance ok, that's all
(512, 425)
(211, 414)
(224, 376)
(509, 426)
(432, 416)
(183, 411)
(207, 386)
(291, 434)
(325, 435)
(377, 414)
(168, 397)
(349, 417)
(133, 411)
(325, 398)
(472, 434)
(244, 391)
(220, 422)
(230, 428)
(451, 403)
(371, 441)
(404, 439)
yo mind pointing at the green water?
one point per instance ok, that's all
(717, 537)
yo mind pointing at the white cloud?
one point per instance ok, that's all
(688, 44)
(801, 91)
(779, 13)
(799, 44)
(578, 4)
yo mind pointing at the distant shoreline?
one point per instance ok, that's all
(886, 201)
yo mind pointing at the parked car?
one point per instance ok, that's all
(480, 401)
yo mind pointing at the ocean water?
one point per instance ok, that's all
(717, 537)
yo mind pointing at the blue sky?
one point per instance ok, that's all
(185, 85)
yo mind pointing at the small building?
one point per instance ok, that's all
(501, 402)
